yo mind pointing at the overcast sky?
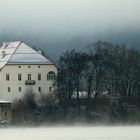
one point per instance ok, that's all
(68, 19)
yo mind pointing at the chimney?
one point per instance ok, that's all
(5, 44)
(39, 51)
(3, 54)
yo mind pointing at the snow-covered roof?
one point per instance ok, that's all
(4, 102)
(20, 53)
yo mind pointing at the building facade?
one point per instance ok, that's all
(21, 69)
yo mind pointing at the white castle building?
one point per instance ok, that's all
(23, 68)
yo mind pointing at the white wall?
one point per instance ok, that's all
(14, 84)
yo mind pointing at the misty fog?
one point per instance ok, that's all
(61, 25)
(58, 25)
(72, 133)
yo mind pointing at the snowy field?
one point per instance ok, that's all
(71, 133)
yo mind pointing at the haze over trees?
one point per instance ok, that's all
(102, 84)
(105, 68)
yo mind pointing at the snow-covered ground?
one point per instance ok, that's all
(71, 133)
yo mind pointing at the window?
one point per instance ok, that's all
(29, 66)
(50, 88)
(19, 77)
(5, 114)
(39, 89)
(7, 77)
(51, 75)
(9, 89)
(19, 89)
(29, 76)
(39, 76)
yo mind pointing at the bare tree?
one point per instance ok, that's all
(99, 61)
(71, 67)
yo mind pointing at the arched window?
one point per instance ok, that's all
(51, 75)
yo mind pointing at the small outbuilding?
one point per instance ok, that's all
(5, 112)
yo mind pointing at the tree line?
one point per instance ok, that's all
(104, 70)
